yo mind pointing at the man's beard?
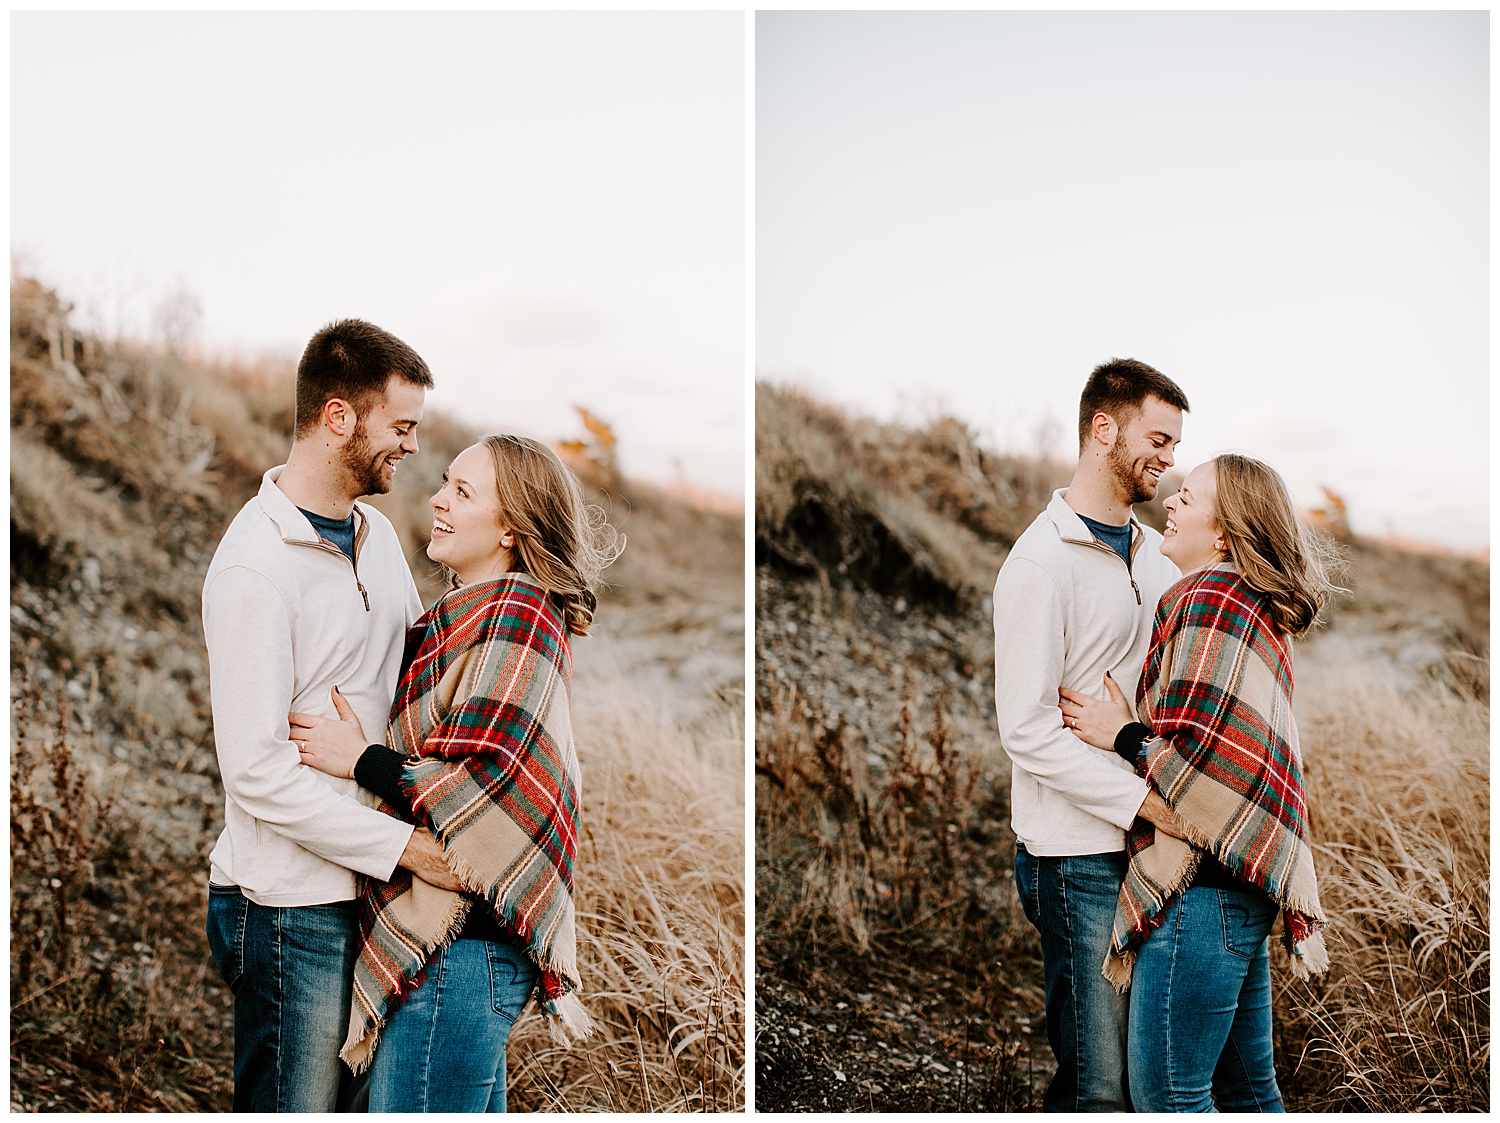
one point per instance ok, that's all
(363, 475)
(1130, 485)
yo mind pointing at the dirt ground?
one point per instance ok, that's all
(897, 1033)
(910, 1026)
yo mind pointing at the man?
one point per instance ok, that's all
(309, 590)
(1074, 601)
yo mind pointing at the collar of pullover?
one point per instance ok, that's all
(291, 523)
(1070, 526)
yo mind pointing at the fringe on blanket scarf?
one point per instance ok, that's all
(567, 1018)
(1302, 920)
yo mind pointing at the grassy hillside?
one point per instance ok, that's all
(127, 463)
(894, 967)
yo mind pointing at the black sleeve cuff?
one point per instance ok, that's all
(1128, 741)
(379, 771)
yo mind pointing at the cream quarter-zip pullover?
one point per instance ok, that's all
(1067, 609)
(287, 616)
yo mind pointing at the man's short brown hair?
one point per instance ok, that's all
(352, 360)
(1118, 388)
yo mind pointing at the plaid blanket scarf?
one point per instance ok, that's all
(1217, 694)
(482, 716)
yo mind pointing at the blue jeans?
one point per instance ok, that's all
(291, 972)
(443, 1049)
(1071, 903)
(1200, 1007)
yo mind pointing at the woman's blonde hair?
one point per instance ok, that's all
(562, 542)
(1277, 555)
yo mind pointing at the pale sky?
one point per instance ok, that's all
(549, 207)
(1287, 213)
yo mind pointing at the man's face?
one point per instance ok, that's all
(383, 437)
(1143, 449)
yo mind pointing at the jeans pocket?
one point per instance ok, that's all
(1026, 884)
(1247, 920)
(513, 977)
(227, 910)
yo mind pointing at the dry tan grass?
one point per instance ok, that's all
(662, 910)
(846, 853)
(1398, 782)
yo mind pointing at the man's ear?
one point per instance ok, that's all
(1103, 428)
(339, 417)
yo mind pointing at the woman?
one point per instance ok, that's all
(481, 753)
(1216, 738)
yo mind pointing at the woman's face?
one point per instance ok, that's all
(1192, 538)
(469, 535)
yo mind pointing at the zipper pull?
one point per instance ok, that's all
(367, 595)
(1133, 585)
